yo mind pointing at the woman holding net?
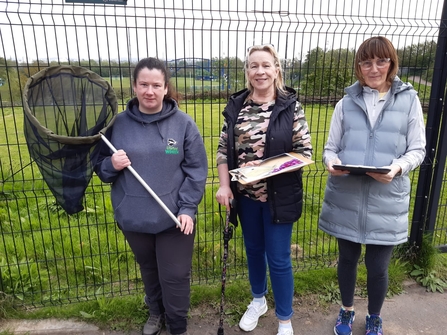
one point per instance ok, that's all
(165, 146)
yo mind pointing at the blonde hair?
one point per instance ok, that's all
(279, 81)
(379, 47)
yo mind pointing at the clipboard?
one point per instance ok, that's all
(360, 169)
(269, 167)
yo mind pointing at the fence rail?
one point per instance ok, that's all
(49, 257)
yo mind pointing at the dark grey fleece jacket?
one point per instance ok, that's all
(168, 153)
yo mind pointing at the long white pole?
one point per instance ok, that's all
(145, 185)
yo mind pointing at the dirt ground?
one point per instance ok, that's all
(413, 312)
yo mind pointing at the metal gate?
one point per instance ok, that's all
(47, 256)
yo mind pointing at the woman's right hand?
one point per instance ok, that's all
(120, 160)
(334, 172)
(224, 196)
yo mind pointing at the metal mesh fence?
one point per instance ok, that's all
(47, 256)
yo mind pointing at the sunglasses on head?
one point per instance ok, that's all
(260, 46)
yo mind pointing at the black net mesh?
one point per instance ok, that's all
(66, 107)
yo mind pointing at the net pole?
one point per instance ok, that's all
(145, 185)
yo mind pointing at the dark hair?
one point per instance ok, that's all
(379, 47)
(154, 63)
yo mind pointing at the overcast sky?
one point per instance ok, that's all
(57, 30)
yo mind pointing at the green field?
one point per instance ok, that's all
(181, 84)
(93, 252)
(50, 256)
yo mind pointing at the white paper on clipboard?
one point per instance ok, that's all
(269, 167)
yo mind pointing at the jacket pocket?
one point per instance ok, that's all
(143, 213)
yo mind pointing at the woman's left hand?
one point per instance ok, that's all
(187, 224)
(252, 163)
(388, 177)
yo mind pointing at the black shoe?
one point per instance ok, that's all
(153, 325)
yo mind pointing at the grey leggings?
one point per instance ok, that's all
(377, 259)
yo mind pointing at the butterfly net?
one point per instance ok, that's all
(66, 108)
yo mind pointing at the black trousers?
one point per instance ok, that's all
(377, 260)
(165, 264)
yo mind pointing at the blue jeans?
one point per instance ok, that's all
(267, 243)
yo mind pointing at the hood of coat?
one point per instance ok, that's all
(169, 108)
(282, 100)
(398, 86)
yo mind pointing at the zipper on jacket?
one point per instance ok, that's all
(364, 204)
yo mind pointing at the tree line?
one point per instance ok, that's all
(322, 72)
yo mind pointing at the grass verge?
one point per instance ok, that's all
(316, 287)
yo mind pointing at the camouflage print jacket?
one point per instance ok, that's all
(284, 191)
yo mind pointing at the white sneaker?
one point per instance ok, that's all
(285, 331)
(251, 316)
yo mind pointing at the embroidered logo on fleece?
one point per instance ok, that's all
(171, 149)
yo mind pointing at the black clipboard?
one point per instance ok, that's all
(360, 169)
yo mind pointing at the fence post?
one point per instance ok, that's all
(432, 169)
